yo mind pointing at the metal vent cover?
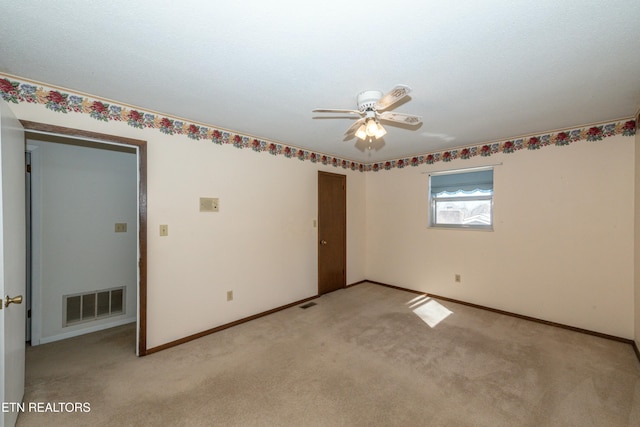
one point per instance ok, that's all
(94, 305)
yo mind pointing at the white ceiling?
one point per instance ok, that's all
(480, 70)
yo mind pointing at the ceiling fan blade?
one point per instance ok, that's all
(394, 95)
(408, 119)
(354, 127)
(325, 110)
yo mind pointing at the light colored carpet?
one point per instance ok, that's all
(360, 357)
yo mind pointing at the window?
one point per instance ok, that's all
(461, 199)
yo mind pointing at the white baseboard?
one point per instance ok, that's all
(83, 331)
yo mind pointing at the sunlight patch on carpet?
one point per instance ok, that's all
(429, 310)
(418, 301)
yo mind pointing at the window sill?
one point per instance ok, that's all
(461, 227)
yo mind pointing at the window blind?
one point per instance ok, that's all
(464, 181)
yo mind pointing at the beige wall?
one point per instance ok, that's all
(262, 244)
(562, 245)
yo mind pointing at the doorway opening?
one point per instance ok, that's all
(88, 240)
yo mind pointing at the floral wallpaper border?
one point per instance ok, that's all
(14, 91)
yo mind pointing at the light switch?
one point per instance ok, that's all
(164, 230)
(121, 227)
(208, 204)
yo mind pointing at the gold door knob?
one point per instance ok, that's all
(15, 300)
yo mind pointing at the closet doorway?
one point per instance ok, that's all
(88, 251)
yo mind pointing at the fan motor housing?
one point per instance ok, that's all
(368, 99)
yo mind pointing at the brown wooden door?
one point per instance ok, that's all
(332, 232)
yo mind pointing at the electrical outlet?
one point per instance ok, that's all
(164, 230)
(121, 227)
(229, 295)
(457, 278)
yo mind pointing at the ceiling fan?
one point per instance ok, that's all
(370, 105)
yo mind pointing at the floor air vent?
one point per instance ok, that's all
(307, 305)
(85, 307)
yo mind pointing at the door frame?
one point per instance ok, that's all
(33, 253)
(344, 223)
(141, 148)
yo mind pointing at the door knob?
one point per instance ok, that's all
(323, 242)
(15, 300)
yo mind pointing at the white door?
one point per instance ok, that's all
(12, 264)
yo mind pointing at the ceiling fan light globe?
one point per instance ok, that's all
(361, 133)
(380, 131)
(372, 127)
